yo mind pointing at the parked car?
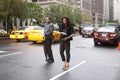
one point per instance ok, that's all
(37, 35)
(3, 31)
(88, 32)
(21, 33)
(105, 35)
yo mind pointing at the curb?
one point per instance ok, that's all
(4, 38)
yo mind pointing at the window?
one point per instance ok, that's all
(34, 0)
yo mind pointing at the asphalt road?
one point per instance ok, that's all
(25, 61)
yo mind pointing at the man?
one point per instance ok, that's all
(48, 33)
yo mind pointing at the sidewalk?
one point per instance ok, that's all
(5, 40)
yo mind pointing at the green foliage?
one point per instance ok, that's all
(34, 11)
(4, 35)
(77, 16)
(56, 12)
(111, 21)
(12, 8)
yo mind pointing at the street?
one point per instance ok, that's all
(25, 61)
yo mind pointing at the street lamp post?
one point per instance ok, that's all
(96, 20)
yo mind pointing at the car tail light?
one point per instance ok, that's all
(30, 32)
(24, 33)
(112, 35)
(96, 34)
(12, 33)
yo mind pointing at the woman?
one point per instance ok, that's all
(67, 32)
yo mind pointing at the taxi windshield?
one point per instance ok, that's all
(23, 28)
(38, 28)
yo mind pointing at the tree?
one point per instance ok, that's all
(86, 18)
(77, 16)
(34, 11)
(56, 12)
(10, 9)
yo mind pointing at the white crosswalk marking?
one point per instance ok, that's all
(8, 53)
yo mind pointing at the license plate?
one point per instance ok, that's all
(104, 35)
(89, 33)
(17, 33)
(107, 39)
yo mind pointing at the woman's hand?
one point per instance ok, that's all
(61, 33)
(65, 39)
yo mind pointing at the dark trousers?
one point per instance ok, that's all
(65, 46)
(47, 49)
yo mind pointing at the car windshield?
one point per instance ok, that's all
(106, 29)
(38, 28)
(24, 28)
(89, 28)
(111, 26)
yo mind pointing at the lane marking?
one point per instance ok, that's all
(59, 75)
(2, 51)
(10, 54)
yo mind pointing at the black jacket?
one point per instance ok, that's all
(66, 29)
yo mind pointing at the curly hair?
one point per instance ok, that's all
(67, 19)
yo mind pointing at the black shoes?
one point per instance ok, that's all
(47, 60)
(50, 61)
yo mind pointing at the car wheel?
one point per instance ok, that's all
(83, 36)
(116, 44)
(18, 40)
(34, 42)
(96, 43)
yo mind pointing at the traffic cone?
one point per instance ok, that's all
(118, 46)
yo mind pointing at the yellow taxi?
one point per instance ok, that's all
(20, 34)
(37, 35)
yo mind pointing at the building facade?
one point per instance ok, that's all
(86, 7)
(119, 11)
(106, 10)
(97, 12)
(111, 10)
(114, 7)
(115, 10)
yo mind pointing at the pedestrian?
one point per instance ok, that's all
(80, 30)
(67, 32)
(48, 34)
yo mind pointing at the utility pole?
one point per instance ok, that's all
(96, 14)
(96, 20)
